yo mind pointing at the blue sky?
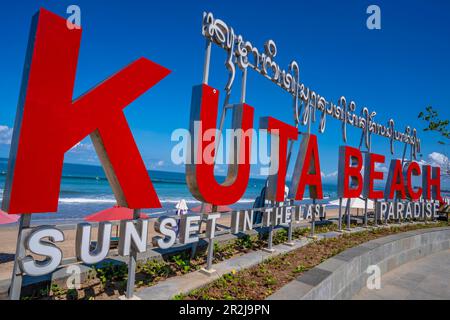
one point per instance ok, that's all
(397, 71)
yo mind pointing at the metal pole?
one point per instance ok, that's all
(207, 62)
(375, 221)
(405, 148)
(244, 86)
(365, 213)
(309, 118)
(313, 221)
(369, 148)
(385, 216)
(210, 254)
(366, 217)
(17, 275)
(347, 212)
(340, 216)
(270, 239)
(290, 242)
(209, 259)
(129, 293)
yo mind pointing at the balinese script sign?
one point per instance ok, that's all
(243, 54)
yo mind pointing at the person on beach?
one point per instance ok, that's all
(182, 209)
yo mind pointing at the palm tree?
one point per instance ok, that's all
(439, 126)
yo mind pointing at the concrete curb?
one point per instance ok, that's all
(342, 276)
(171, 287)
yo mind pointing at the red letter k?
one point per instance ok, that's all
(49, 123)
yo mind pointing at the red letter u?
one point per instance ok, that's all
(200, 173)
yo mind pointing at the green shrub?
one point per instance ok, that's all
(57, 290)
(280, 236)
(246, 242)
(111, 272)
(154, 269)
(300, 268)
(299, 232)
(182, 262)
(270, 281)
(223, 251)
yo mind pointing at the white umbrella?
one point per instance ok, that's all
(286, 192)
(355, 203)
(181, 206)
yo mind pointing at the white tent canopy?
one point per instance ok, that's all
(181, 206)
(355, 203)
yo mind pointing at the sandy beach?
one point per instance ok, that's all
(8, 234)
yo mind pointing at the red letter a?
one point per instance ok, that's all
(395, 184)
(49, 123)
(307, 170)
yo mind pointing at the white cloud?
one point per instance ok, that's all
(422, 162)
(329, 175)
(155, 164)
(437, 159)
(381, 167)
(5, 134)
(82, 147)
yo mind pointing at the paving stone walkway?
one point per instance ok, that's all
(423, 279)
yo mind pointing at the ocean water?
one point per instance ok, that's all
(85, 190)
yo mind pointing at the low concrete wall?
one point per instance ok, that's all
(344, 275)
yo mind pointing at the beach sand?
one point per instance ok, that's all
(8, 236)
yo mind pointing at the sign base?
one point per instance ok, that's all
(132, 298)
(207, 272)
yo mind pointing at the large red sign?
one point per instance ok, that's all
(49, 123)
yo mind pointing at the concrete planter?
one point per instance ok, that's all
(344, 275)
